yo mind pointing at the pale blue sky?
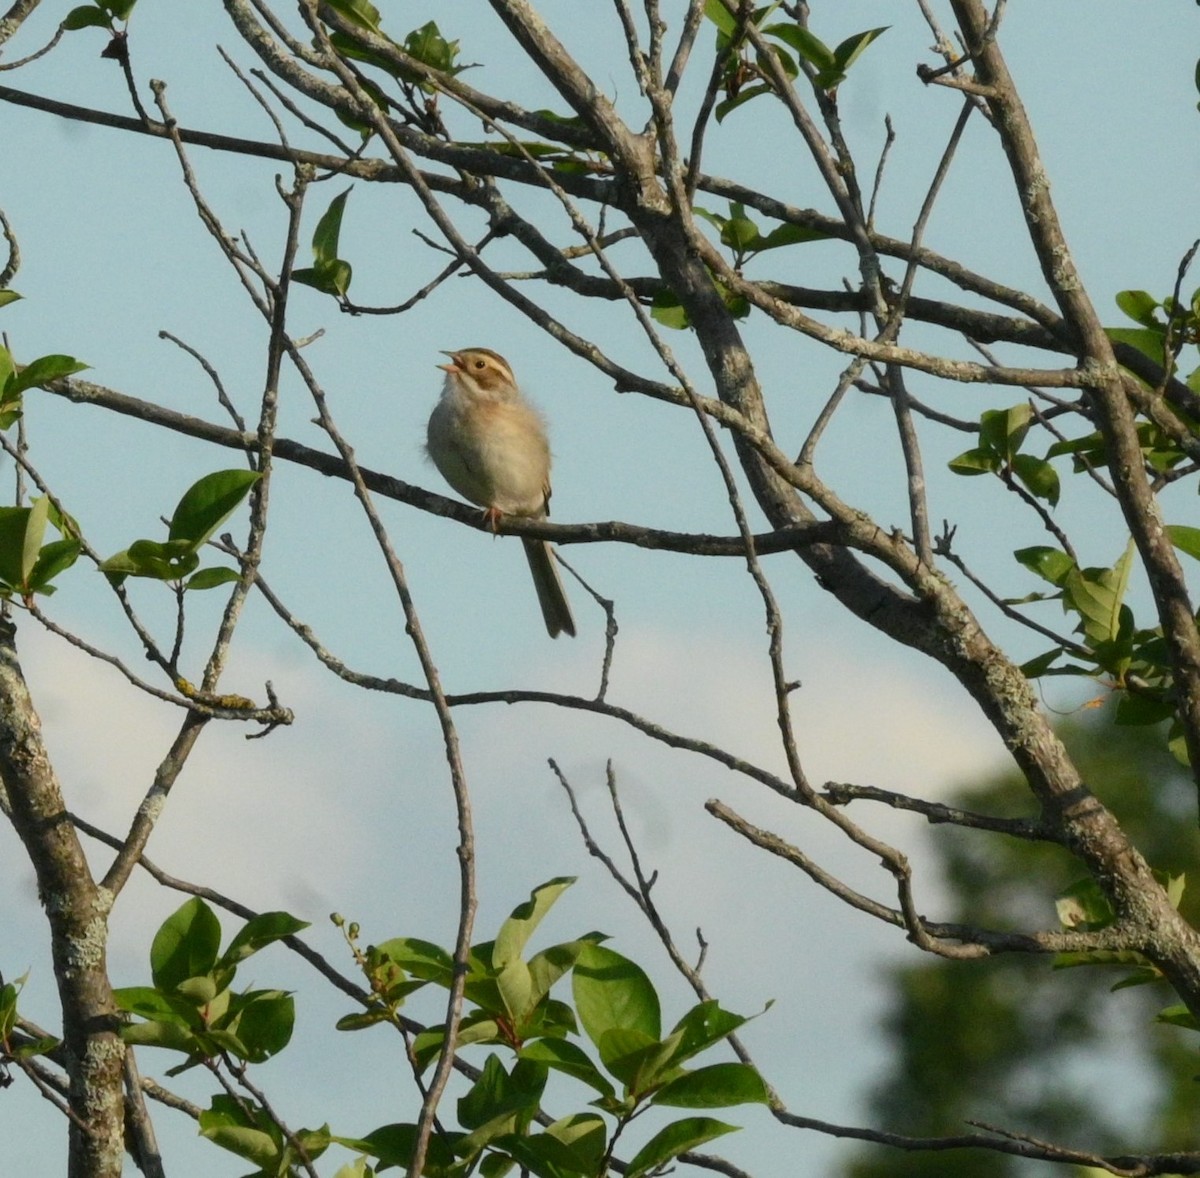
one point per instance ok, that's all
(349, 809)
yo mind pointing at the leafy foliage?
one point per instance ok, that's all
(205, 506)
(191, 1006)
(328, 273)
(963, 1040)
(16, 380)
(27, 565)
(511, 1008)
(746, 72)
(11, 1048)
(1001, 432)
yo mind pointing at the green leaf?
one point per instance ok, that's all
(1174, 886)
(6, 297)
(1178, 1016)
(121, 565)
(363, 1019)
(1003, 430)
(807, 44)
(977, 461)
(739, 232)
(612, 993)
(849, 51)
(716, 1086)
(186, 945)
(422, 959)
(149, 1003)
(725, 21)
(1096, 595)
(564, 1056)
(1050, 564)
(430, 48)
(263, 1021)
(1091, 445)
(1039, 477)
(208, 502)
(641, 1063)
(546, 967)
(255, 1145)
(169, 1036)
(516, 988)
(1038, 666)
(788, 234)
(259, 932)
(201, 991)
(86, 16)
(41, 1046)
(331, 278)
(1083, 907)
(1139, 977)
(41, 371)
(120, 9)
(170, 561)
(665, 308)
(515, 932)
(393, 1145)
(787, 62)
(545, 1156)
(9, 992)
(1124, 957)
(497, 1094)
(361, 12)
(736, 304)
(586, 1137)
(1177, 745)
(1141, 307)
(54, 558)
(211, 578)
(702, 1026)
(740, 99)
(481, 1029)
(675, 1139)
(329, 228)
(1139, 710)
(495, 1164)
(1185, 538)
(1148, 342)
(21, 531)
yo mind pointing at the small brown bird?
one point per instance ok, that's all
(490, 445)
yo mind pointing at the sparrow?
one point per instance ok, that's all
(490, 445)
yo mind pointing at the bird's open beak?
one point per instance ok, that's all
(453, 366)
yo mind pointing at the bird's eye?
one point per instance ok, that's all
(479, 363)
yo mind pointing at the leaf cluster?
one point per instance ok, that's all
(27, 565)
(746, 75)
(191, 1005)
(1111, 645)
(1001, 433)
(16, 379)
(26, 1048)
(205, 505)
(1165, 326)
(329, 274)
(101, 15)
(1083, 907)
(502, 1125)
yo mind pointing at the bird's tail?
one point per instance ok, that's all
(551, 596)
